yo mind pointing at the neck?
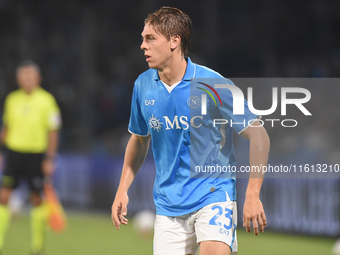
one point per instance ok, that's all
(29, 90)
(174, 71)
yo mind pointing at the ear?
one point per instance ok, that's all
(175, 42)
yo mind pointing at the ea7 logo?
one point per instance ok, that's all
(149, 102)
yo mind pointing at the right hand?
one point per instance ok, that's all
(119, 209)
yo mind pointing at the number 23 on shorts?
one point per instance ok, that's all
(227, 213)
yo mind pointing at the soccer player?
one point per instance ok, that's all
(192, 213)
(31, 122)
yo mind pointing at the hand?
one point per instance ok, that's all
(253, 212)
(48, 167)
(119, 209)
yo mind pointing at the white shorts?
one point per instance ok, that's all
(181, 235)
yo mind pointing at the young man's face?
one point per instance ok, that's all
(28, 78)
(156, 47)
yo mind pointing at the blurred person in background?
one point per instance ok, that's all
(31, 121)
(190, 212)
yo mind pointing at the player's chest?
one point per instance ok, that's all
(160, 101)
(164, 110)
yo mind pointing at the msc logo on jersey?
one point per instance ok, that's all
(194, 102)
(178, 122)
(155, 123)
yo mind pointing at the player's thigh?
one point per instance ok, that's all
(174, 236)
(216, 224)
(34, 172)
(13, 170)
(214, 248)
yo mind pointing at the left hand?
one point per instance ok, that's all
(253, 212)
(48, 167)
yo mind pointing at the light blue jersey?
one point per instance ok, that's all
(185, 141)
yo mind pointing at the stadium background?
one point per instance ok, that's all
(89, 55)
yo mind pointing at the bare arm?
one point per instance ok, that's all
(48, 163)
(258, 156)
(3, 135)
(135, 154)
(52, 147)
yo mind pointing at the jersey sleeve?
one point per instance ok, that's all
(54, 121)
(137, 123)
(239, 122)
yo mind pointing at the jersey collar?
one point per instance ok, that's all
(189, 73)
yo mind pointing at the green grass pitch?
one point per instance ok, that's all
(90, 234)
